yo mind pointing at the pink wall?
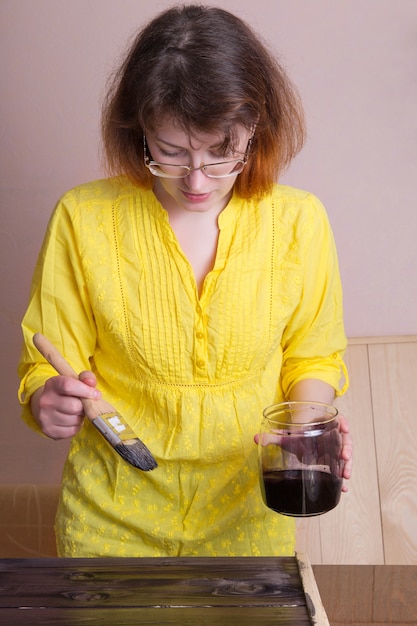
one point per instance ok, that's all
(355, 65)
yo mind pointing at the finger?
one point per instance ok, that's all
(266, 438)
(57, 431)
(347, 453)
(88, 378)
(60, 422)
(344, 425)
(347, 470)
(58, 398)
(65, 386)
(347, 450)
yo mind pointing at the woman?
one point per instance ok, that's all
(192, 291)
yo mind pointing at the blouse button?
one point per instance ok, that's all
(200, 335)
(200, 363)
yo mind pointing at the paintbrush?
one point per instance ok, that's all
(100, 413)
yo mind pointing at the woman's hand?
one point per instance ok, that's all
(57, 406)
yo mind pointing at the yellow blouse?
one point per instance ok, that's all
(115, 293)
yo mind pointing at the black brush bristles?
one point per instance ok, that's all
(132, 450)
(136, 453)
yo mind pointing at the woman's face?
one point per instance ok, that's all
(196, 192)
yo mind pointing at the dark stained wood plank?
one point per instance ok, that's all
(146, 583)
(190, 592)
(130, 591)
(200, 616)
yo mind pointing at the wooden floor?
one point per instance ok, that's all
(376, 521)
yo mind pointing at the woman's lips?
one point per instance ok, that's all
(196, 197)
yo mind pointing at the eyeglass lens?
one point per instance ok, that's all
(212, 169)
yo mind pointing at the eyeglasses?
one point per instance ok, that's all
(212, 170)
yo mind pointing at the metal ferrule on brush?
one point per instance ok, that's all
(106, 431)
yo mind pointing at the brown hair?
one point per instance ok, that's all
(205, 68)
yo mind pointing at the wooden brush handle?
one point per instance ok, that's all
(54, 358)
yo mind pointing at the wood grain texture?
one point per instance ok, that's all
(180, 616)
(27, 517)
(366, 594)
(393, 370)
(251, 590)
(337, 591)
(395, 594)
(203, 591)
(316, 609)
(309, 538)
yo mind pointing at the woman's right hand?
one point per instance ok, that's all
(57, 406)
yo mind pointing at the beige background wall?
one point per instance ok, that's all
(355, 65)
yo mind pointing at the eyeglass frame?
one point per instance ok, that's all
(148, 163)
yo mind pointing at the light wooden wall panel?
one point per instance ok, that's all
(376, 521)
(393, 370)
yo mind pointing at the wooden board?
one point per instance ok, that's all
(251, 590)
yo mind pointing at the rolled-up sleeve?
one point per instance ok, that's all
(314, 339)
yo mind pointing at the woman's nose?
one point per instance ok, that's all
(196, 179)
